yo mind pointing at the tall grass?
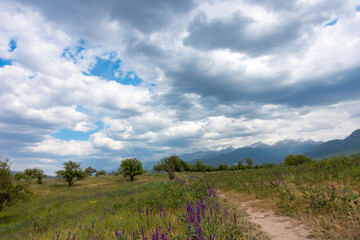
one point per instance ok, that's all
(109, 207)
(324, 193)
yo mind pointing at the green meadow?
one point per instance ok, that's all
(324, 194)
(112, 207)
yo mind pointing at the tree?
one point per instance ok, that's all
(36, 173)
(249, 162)
(89, 171)
(71, 173)
(296, 160)
(12, 190)
(223, 167)
(168, 164)
(240, 165)
(131, 167)
(200, 166)
(100, 172)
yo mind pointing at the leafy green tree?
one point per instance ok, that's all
(181, 166)
(12, 190)
(200, 166)
(296, 160)
(223, 167)
(233, 168)
(72, 172)
(240, 165)
(100, 172)
(36, 173)
(168, 164)
(249, 162)
(89, 171)
(131, 167)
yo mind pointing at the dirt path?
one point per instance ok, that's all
(275, 226)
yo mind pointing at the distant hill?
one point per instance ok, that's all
(349, 145)
(261, 153)
(188, 157)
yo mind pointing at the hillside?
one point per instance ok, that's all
(349, 145)
(204, 154)
(262, 153)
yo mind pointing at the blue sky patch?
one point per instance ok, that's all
(332, 23)
(73, 53)
(358, 8)
(4, 62)
(67, 135)
(12, 45)
(109, 69)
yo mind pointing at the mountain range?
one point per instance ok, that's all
(264, 153)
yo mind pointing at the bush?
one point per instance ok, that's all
(131, 167)
(71, 173)
(100, 172)
(12, 190)
(297, 160)
(36, 173)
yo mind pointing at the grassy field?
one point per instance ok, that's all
(324, 194)
(111, 207)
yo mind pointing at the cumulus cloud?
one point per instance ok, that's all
(64, 148)
(208, 74)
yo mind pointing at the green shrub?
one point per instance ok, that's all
(297, 160)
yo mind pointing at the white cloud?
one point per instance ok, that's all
(203, 98)
(64, 148)
(101, 140)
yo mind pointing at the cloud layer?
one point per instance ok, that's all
(142, 79)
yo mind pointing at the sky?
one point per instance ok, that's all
(100, 81)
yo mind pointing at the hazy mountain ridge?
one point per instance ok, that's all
(264, 153)
(350, 145)
(259, 152)
(205, 154)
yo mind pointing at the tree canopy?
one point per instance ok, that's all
(296, 159)
(170, 165)
(36, 173)
(12, 190)
(71, 173)
(131, 167)
(89, 171)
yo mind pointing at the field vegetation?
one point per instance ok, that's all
(113, 207)
(324, 194)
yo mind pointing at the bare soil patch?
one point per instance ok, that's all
(275, 226)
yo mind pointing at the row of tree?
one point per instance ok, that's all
(17, 187)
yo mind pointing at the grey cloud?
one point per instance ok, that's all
(140, 14)
(229, 89)
(275, 4)
(233, 34)
(331, 89)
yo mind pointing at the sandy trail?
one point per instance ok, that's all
(275, 226)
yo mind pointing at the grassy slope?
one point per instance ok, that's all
(104, 207)
(324, 194)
